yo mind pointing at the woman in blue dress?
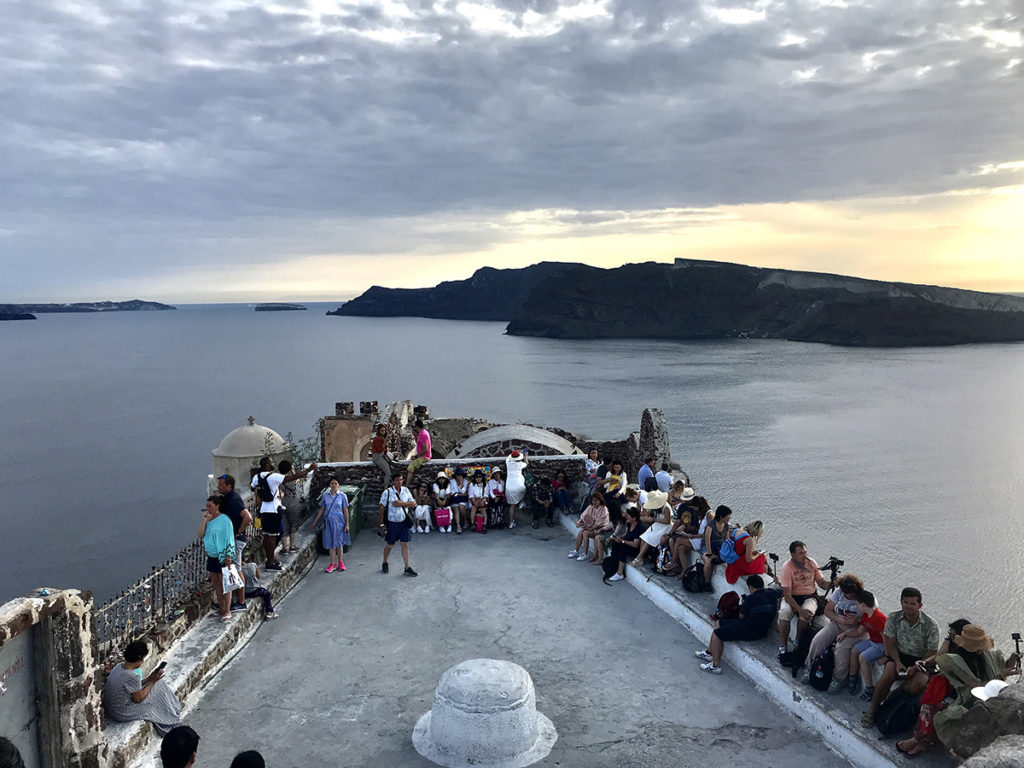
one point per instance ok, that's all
(334, 511)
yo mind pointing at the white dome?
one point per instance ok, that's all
(250, 441)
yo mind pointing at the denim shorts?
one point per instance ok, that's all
(869, 650)
(397, 532)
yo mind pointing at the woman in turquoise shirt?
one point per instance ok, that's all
(218, 535)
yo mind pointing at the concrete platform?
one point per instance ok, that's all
(342, 677)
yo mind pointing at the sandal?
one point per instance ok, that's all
(225, 619)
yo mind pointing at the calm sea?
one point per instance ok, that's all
(908, 464)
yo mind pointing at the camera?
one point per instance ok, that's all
(774, 557)
(834, 563)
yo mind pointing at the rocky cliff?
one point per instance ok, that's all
(693, 299)
(490, 294)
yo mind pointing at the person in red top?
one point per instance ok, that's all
(379, 453)
(870, 649)
(751, 559)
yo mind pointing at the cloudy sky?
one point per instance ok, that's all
(306, 149)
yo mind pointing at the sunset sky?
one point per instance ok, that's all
(307, 149)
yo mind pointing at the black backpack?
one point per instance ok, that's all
(796, 658)
(821, 670)
(898, 713)
(693, 579)
(263, 488)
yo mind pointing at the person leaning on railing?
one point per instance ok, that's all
(218, 537)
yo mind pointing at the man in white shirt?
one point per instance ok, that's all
(663, 478)
(393, 504)
(266, 483)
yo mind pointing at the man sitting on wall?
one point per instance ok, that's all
(756, 614)
(798, 577)
(909, 636)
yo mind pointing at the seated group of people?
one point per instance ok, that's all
(487, 498)
(872, 651)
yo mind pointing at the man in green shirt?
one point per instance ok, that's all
(909, 636)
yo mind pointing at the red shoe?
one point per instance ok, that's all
(341, 566)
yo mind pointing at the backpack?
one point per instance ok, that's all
(796, 658)
(727, 554)
(263, 488)
(821, 669)
(728, 607)
(693, 579)
(898, 713)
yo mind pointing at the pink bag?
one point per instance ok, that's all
(478, 523)
(443, 516)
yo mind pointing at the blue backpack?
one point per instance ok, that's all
(728, 551)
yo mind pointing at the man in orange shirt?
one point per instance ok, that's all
(798, 577)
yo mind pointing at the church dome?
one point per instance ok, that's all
(249, 441)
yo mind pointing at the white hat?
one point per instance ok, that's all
(989, 690)
(688, 493)
(655, 500)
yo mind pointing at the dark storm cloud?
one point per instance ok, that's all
(193, 119)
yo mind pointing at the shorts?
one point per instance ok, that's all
(397, 532)
(239, 550)
(458, 499)
(869, 650)
(740, 629)
(416, 463)
(907, 659)
(808, 602)
(213, 565)
(271, 525)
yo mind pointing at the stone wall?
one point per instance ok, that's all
(68, 692)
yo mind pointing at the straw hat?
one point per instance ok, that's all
(973, 638)
(688, 494)
(655, 500)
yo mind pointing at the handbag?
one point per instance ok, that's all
(410, 520)
(230, 578)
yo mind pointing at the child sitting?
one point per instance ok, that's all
(251, 574)
(422, 510)
(870, 649)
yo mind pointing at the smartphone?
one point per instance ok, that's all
(161, 665)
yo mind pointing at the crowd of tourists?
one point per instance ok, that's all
(899, 665)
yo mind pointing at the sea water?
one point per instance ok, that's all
(906, 463)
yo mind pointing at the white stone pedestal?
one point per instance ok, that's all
(484, 714)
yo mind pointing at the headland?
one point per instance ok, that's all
(692, 299)
(134, 305)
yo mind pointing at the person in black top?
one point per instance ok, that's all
(756, 615)
(625, 547)
(543, 499)
(240, 517)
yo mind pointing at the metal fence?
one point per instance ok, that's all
(150, 600)
(159, 596)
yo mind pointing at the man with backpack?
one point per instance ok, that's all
(755, 620)
(265, 482)
(798, 577)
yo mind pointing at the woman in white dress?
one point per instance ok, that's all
(515, 483)
(658, 513)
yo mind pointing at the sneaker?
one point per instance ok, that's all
(341, 567)
(384, 566)
(836, 686)
(330, 568)
(582, 556)
(410, 572)
(275, 566)
(512, 525)
(415, 529)
(868, 693)
(853, 685)
(536, 525)
(235, 607)
(616, 577)
(710, 667)
(551, 523)
(442, 529)
(448, 529)
(572, 553)
(271, 616)
(426, 530)
(703, 655)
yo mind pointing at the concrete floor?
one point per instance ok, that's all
(342, 677)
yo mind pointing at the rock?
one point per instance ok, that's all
(1004, 752)
(17, 316)
(987, 721)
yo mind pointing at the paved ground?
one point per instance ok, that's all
(343, 676)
